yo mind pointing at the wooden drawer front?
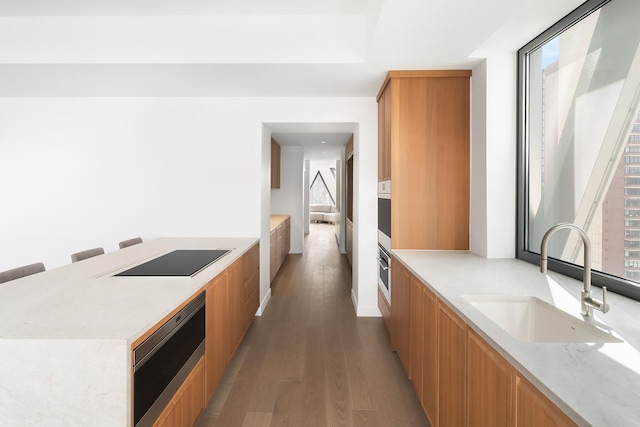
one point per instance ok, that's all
(251, 285)
(250, 308)
(273, 236)
(251, 261)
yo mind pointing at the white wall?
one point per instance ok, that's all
(77, 173)
(288, 199)
(492, 224)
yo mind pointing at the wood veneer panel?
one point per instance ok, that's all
(430, 163)
(416, 335)
(488, 385)
(533, 409)
(430, 356)
(400, 311)
(452, 379)
(216, 330)
(235, 308)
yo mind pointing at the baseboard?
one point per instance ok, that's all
(368, 311)
(264, 303)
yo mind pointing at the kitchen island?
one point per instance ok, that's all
(593, 383)
(66, 335)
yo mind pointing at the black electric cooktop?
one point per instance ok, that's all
(179, 263)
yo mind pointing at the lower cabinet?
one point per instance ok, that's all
(452, 346)
(429, 394)
(533, 409)
(216, 347)
(280, 243)
(459, 378)
(232, 300)
(188, 402)
(488, 385)
(400, 312)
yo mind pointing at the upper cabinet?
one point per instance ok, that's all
(384, 134)
(423, 147)
(275, 164)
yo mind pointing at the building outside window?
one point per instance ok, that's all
(579, 139)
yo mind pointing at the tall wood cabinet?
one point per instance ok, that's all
(423, 147)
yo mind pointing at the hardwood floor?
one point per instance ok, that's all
(309, 361)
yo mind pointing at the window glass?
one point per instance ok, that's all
(580, 138)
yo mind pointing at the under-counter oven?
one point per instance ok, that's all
(163, 361)
(384, 214)
(384, 273)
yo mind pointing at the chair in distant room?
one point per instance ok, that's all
(25, 270)
(89, 253)
(130, 242)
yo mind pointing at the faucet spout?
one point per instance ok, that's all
(587, 302)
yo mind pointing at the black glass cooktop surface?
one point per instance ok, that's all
(179, 263)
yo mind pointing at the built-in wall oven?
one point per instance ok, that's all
(164, 360)
(384, 238)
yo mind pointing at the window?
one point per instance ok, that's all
(578, 125)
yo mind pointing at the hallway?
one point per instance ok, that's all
(309, 361)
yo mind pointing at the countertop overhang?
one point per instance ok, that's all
(85, 300)
(595, 384)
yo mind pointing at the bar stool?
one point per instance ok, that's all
(130, 242)
(89, 253)
(25, 270)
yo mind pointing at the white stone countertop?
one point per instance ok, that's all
(594, 384)
(85, 301)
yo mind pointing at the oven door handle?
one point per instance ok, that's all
(385, 267)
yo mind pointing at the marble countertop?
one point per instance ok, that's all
(595, 384)
(85, 301)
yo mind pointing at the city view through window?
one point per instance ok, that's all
(583, 135)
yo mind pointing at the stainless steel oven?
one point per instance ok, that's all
(164, 360)
(384, 273)
(384, 238)
(384, 214)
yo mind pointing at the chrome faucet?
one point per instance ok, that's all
(587, 302)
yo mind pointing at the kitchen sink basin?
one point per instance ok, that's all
(531, 319)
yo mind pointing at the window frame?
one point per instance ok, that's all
(613, 283)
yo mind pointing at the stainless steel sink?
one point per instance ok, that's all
(531, 319)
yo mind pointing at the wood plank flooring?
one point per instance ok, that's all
(309, 361)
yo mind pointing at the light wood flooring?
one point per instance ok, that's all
(309, 361)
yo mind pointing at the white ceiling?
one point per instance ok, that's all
(178, 7)
(317, 145)
(252, 48)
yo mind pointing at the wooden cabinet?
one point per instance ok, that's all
(400, 311)
(452, 343)
(416, 334)
(459, 378)
(533, 409)
(235, 315)
(188, 403)
(216, 348)
(429, 394)
(275, 164)
(349, 240)
(280, 242)
(384, 134)
(423, 122)
(488, 385)
(273, 250)
(251, 284)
